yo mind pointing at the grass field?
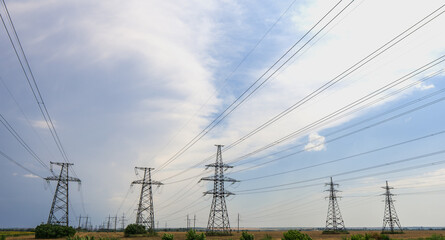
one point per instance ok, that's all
(276, 235)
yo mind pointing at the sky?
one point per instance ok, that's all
(357, 97)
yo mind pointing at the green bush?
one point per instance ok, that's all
(167, 236)
(133, 229)
(2, 237)
(368, 236)
(267, 237)
(53, 231)
(89, 238)
(246, 236)
(192, 235)
(295, 235)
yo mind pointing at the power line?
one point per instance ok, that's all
(400, 37)
(21, 141)
(362, 128)
(32, 82)
(348, 157)
(240, 99)
(19, 164)
(233, 71)
(349, 172)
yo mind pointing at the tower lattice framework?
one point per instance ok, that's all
(334, 220)
(391, 223)
(218, 216)
(145, 214)
(59, 213)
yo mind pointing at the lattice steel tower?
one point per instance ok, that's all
(59, 208)
(334, 221)
(219, 217)
(390, 219)
(145, 215)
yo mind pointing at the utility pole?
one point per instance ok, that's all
(86, 222)
(188, 222)
(218, 216)
(334, 221)
(122, 220)
(390, 218)
(145, 214)
(194, 222)
(80, 218)
(108, 223)
(238, 222)
(115, 223)
(59, 208)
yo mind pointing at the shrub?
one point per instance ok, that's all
(295, 235)
(2, 237)
(167, 236)
(53, 231)
(192, 235)
(89, 238)
(368, 236)
(267, 237)
(133, 229)
(246, 236)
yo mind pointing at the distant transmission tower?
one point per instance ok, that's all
(334, 221)
(218, 217)
(145, 215)
(390, 219)
(59, 208)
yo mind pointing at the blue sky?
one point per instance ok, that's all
(129, 83)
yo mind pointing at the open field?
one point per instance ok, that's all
(260, 234)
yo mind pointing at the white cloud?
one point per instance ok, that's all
(423, 86)
(39, 124)
(316, 143)
(30, 176)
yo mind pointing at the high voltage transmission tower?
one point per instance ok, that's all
(334, 221)
(390, 219)
(59, 208)
(219, 217)
(145, 214)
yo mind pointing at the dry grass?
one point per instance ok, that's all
(276, 235)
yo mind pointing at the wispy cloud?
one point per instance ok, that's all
(316, 143)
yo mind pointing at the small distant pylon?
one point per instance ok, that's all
(59, 208)
(145, 214)
(219, 217)
(390, 219)
(334, 221)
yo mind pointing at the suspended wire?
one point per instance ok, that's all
(26, 117)
(240, 99)
(359, 130)
(400, 37)
(20, 165)
(230, 74)
(353, 178)
(21, 141)
(349, 106)
(23, 60)
(347, 157)
(356, 124)
(351, 112)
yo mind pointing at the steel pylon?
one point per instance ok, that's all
(59, 214)
(145, 214)
(218, 216)
(391, 223)
(334, 220)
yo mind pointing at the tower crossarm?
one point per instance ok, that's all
(218, 165)
(56, 178)
(226, 193)
(214, 178)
